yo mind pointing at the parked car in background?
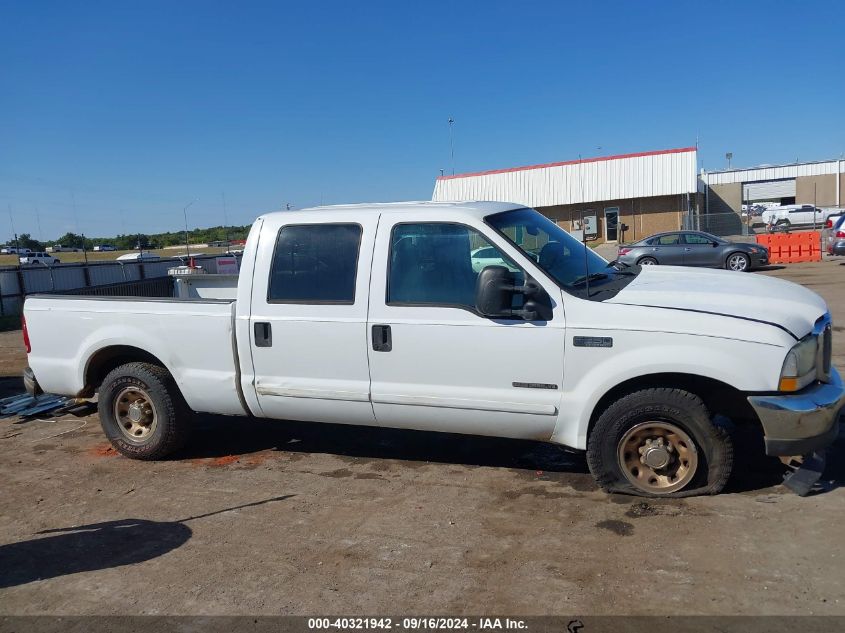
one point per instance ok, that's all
(101, 248)
(135, 257)
(693, 248)
(45, 259)
(833, 218)
(834, 237)
(59, 248)
(795, 215)
(11, 250)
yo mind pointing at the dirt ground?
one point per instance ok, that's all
(283, 518)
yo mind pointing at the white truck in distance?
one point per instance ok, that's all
(379, 315)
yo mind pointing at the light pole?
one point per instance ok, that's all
(452, 144)
(728, 157)
(187, 245)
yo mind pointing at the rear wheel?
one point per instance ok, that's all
(659, 442)
(738, 262)
(142, 411)
(647, 261)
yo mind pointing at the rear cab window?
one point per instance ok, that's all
(315, 263)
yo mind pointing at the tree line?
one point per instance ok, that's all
(134, 241)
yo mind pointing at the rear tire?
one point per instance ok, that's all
(647, 261)
(142, 411)
(640, 445)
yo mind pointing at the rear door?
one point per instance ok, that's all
(435, 363)
(669, 249)
(308, 317)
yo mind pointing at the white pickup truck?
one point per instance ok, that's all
(379, 315)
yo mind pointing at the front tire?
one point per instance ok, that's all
(142, 411)
(659, 443)
(738, 262)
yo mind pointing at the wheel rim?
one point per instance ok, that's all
(658, 457)
(737, 262)
(648, 262)
(135, 414)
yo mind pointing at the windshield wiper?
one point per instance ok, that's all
(615, 264)
(591, 277)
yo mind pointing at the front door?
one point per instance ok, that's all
(700, 250)
(308, 316)
(611, 224)
(435, 363)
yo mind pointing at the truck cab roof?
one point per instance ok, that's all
(474, 209)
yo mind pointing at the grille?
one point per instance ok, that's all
(827, 349)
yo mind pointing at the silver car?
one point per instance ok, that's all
(693, 248)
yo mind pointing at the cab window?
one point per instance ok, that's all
(315, 263)
(437, 264)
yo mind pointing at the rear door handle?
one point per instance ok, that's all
(263, 334)
(382, 338)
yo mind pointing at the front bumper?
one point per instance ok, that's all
(759, 259)
(802, 422)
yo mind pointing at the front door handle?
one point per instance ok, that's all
(382, 338)
(263, 334)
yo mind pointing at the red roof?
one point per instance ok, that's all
(570, 162)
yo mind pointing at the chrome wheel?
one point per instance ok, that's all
(738, 262)
(135, 414)
(648, 261)
(657, 457)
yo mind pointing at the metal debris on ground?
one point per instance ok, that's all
(25, 405)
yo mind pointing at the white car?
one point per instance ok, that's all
(136, 257)
(486, 256)
(36, 258)
(796, 215)
(373, 315)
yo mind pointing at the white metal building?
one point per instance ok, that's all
(818, 183)
(632, 195)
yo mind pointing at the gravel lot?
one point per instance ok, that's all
(281, 518)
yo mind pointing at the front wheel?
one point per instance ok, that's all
(659, 442)
(142, 411)
(738, 262)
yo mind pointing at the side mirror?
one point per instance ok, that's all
(495, 290)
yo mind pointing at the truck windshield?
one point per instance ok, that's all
(555, 251)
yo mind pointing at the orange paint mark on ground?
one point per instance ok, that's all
(103, 450)
(224, 461)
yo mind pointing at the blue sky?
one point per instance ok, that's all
(132, 109)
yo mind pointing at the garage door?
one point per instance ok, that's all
(768, 190)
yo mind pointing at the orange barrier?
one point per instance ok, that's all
(792, 248)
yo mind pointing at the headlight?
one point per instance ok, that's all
(799, 367)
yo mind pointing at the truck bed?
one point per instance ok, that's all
(193, 338)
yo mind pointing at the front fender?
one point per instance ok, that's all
(591, 372)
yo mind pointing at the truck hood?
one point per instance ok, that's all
(748, 296)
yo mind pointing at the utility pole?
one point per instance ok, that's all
(225, 219)
(185, 213)
(12, 225)
(452, 144)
